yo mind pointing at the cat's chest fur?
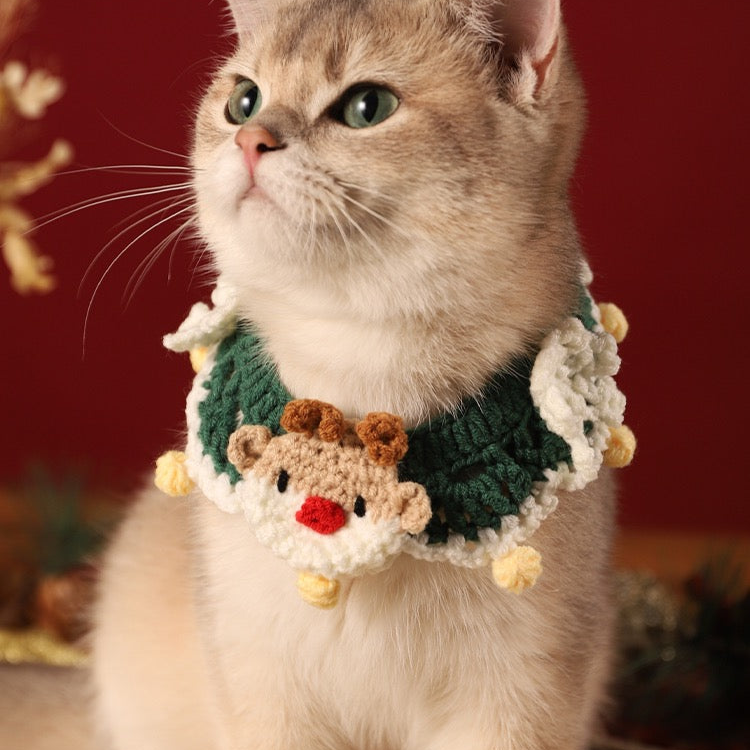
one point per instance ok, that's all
(404, 653)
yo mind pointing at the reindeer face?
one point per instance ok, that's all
(326, 495)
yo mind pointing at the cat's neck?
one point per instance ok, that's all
(403, 365)
(412, 336)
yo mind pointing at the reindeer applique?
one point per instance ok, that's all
(326, 496)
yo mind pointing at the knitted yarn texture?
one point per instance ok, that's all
(477, 466)
(491, 470)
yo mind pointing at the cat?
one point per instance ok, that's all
(385, 186)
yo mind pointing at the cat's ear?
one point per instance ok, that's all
(528, 32)
(248, 14)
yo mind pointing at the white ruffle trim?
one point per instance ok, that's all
(572, 385)
(206, 325)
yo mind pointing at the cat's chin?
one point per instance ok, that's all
(255, 194)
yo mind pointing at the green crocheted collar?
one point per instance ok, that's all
(477, 465)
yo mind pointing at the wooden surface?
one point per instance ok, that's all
(673, 556)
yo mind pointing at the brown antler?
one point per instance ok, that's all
(307, 415)
(384, 436)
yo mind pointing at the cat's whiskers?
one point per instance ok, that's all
(133, 139)
(317, 199)
(110, 198)
(148, 262)
(189, 207)
(342, 208)
(344, 188)
(167, 201)
(129, 221)
(163, 204)
(160, 247)
(327, 195)
(375, 214)
(197, 260)
(366, 189)
(132, 242)
(130, 169)
(311, 236)
(332, 215)
(377, 195)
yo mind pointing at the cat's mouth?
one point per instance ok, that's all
(254, 193)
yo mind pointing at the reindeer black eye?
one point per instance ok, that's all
(282, 481)
(359, 506)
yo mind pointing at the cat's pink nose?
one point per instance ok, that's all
(321, 515)
(254, 142)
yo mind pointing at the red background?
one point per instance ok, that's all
(660, 195)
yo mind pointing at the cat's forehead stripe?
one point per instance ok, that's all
(333, 35)
(334, 63)
(298, 43)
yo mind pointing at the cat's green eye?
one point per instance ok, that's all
(244, 102)
(366, 106)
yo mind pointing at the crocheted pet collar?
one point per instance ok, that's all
(491, 471)
(478, 465)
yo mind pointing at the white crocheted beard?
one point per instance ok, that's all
(413, 234)
(360, 546)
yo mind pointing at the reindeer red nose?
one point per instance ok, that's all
(321, 515)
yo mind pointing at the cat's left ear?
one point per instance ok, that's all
(529, 34)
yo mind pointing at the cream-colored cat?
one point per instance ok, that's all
(385, 185)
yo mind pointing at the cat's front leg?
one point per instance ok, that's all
(149, 671)
(540, 708)
(528, 727)
(526, 672)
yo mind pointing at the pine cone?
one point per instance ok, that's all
(63, 603)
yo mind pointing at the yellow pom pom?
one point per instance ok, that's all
(613, 321)
(620, 447)
(171, 476)
(319, 591)
(518, 570)
(198, 357)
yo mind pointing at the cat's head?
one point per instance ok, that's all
(381, 158)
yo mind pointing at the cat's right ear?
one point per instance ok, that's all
(527, 34)
(247, 15)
